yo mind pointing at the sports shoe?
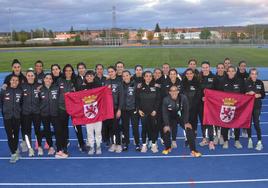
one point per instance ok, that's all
(259, 146)
(154, 148)
(144, 148)
(83, 149)
(138, 148)
(238, 145)
(211, 145)
(221, 140)
(31, 152)
(125, 148)
(17, 155)
(40, 151)
(174, 144)
(166, 151)
(46, 146)
(225, 145)
(196, 154)
(250, 143)
(161, 141)
(244, 133)
(98, 151)
(91, 151)
(118, 149)
(61, 155)
(216, 140)
(150, 144)
(13, 158)
(23, 146)
(112, 148)
(51, 151)
(203, 143)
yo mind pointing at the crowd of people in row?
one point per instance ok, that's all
(160, 100)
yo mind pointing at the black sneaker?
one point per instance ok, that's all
(138, 148)
(186, 144)
(125, 148)
(83, 149)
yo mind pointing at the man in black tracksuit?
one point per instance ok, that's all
(129, 111)
(254, 86)
(232, 84)
(112, 127)
(39, 73)
(175, 110)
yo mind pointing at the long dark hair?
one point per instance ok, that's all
(64, 69)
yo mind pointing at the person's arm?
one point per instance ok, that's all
(165, 113)
(1, 100)
(262, 91)
(157, 101)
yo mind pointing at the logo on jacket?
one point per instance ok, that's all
(90, 106)
(228, 110)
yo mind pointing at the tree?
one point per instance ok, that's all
(15, 36)
(205, 34)
(126, 35)
(140, 34)
(50, 34)
(72, 30)
(182, 36)
(150, 36)
(157, 28)
(160, 38)
(23, 36)
(173, 34)
(233, 37)
(242, 36)
(265, 34)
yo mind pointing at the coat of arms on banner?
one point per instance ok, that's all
(90, 106)
(228, 110)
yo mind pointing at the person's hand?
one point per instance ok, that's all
(153, 113)
(250, 93)
(39, 87)
(203, 98)
(188, 125)
(141, 113)
(257, 95)
(118, 114)
(166, 129)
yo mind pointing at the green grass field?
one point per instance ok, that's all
(148, 57)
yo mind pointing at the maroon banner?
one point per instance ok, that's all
(230, 110)
(90, 106)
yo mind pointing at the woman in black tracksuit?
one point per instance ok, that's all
(232, 84)
(66, 84)
(31, 110)
(49, 101)
(79, 80)
(10, 103)
(254, 86)
(173, 81)
(175, 110)
(206, 80)
(55, 72)
(129, 111)
(112, 127)
(148, 100)
(191, 89)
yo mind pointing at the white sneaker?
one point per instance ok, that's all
(91, 151)
(244, 133)
(250, 143)
(13, 158)
(40, 151)
(118, 149)
(225, 145)
(150, 144)
(98, 151)
(23, 146)
(161, 141)
(112, 148)
(144, 148)
(259, 146)
(221, 140)
(216, 140)
(238, 145)
(211, 145)
(154, 148)
(31, 152)
(174, 145)
(51, 151)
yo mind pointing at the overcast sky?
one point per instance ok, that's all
(59, 15)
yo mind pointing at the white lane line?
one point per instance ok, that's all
(178, 138)
(192, 182)
(143, 157)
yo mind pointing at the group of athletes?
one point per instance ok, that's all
(160, 100)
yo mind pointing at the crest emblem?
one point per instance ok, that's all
(228, 110)
(90, 106)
